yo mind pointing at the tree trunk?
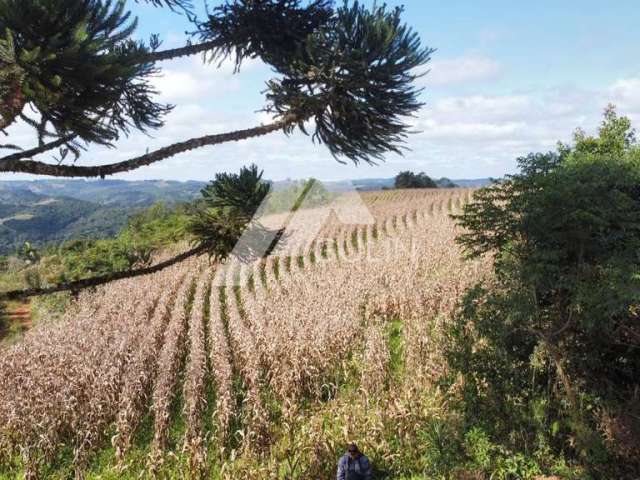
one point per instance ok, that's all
(12, 104)
(558, 361)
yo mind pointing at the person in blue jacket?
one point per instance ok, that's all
(354, 465)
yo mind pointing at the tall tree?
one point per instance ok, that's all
(557, 328)
(347, 72)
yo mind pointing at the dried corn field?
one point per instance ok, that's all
(206, 370)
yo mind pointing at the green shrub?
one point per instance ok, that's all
(549, 351)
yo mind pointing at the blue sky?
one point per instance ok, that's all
(507, 78)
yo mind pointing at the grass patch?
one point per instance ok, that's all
(395, 339)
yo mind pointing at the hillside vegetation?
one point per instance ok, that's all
(46, 212)
(25, 216)
(118, 193)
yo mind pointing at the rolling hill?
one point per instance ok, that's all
(27, 216)
(44, 211)
(120, 193)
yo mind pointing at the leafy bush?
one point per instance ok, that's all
(146, 233)
(549, 352)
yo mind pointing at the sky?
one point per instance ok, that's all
(508, 78)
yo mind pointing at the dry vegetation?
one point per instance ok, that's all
(329, 339)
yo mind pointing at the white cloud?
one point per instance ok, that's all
(481, 107)
(453, 131)
(458, 136)
(465, 69)
(192, 80)
(627, 92)
(479, 135)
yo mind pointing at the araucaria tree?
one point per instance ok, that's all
(72, 71)
(227, 210)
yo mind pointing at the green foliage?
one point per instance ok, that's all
(272, 30)
(11, 77)
(496, 462)
(354, 76)
(42, 223)
(615, 137)
(159, 225)
(65, 210)
(395, 341)
(550, 352)
(408, 179)
(79, 67)
(146, 233)
(350, 69)
(444, 182)
(28, 253)
(90, 258)
(226, 211)
(241, 193)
